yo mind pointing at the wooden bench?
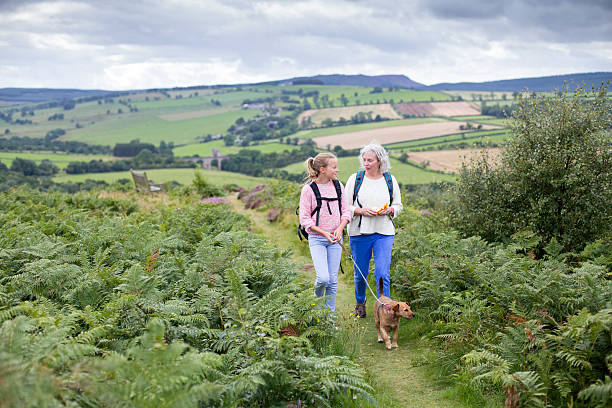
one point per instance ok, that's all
(142, 183)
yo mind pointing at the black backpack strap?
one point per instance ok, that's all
(389, 181)
(339, 195)
(317, 193)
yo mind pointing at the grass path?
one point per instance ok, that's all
(399, 375)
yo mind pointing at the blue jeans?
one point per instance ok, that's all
(362, 247)
(326, 261)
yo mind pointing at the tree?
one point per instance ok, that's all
(554, 176)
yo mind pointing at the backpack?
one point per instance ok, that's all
(359, 181)
(315, 189)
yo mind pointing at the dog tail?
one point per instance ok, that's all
(381, 287)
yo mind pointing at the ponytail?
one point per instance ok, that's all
(312, 172)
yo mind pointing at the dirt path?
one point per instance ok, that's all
(399, 374)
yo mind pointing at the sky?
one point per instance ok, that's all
(143, 44)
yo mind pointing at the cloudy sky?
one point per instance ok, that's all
(139, 44)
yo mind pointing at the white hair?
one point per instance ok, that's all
(379, 151)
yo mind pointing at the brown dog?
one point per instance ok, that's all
(387, 315)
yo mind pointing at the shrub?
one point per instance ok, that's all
(554, 177)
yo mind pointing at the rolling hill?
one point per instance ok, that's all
(538, 84)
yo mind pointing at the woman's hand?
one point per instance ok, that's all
(388, 211)
(367, 212)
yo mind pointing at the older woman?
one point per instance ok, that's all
(374, 200)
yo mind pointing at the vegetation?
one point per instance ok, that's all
(538, 330)
(103, 305)
(554, 177)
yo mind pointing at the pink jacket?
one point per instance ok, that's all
(327, 222)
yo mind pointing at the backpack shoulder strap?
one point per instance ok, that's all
(389, 181)
(339, 195)
(358, 181)
(317, 193)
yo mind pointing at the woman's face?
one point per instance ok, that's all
(331, 170)
(371, 162)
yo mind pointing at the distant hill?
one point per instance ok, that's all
(538, 84)
(385, 81)
(34, 95)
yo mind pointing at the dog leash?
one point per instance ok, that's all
(361, 273)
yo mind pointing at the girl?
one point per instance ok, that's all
(324, 220)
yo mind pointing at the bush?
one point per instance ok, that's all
(554, 176)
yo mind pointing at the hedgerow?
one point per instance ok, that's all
(103, 304)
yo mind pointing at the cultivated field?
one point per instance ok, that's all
(317, 116)
(396, 134)
(438, 108)
(449, 160)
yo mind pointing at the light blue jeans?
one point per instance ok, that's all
(326, 261)
(363, 247)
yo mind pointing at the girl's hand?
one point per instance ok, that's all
(330, 238)
(338, 234)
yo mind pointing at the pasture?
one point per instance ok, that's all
(404, 173)
(317, 116)
(352, 140)
(183, 176)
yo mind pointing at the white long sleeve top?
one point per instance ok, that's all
(373, 194)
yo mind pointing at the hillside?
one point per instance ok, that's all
(399, 81)
(537, 84)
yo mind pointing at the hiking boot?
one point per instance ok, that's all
(360, 310)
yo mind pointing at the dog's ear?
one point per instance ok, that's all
(396, 307)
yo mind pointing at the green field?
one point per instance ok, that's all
(61, 160)
(475, 96)
(204, 149)
(152, 129)
(404, 173)
(183, 176)
(493, 136)
(364, 96)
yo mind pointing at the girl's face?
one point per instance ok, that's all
(371, 162)
(331, 170)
